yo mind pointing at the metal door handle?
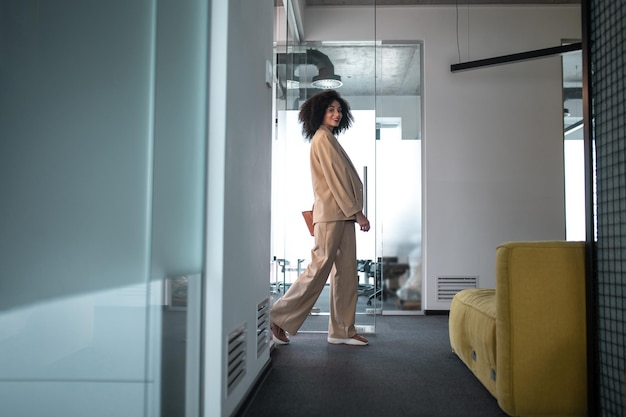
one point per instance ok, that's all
(365, 190)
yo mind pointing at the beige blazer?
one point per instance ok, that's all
(337, 188)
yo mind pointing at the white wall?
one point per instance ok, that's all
(493, 144)
(238, 205)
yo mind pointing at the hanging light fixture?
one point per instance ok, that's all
(326, 77)
(327, 81)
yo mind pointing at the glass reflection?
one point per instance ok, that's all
(180, 346)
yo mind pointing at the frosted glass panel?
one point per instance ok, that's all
(399, 201)
(75, 114)
(179, 139)
(101, 336)
(102, 158)
(71, 398)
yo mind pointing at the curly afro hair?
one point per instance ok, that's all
(313, 110)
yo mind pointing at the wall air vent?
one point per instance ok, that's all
(447, 287)
(236, 357)
(262, 326)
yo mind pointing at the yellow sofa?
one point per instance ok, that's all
(525, 340)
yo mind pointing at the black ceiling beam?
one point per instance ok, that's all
(522, 56)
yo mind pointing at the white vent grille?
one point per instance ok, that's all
(447, 287)
(262, 327)
(236, 357)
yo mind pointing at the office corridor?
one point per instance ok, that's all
(407, 370)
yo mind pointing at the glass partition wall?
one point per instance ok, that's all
(381, 80)
(573, 146)
(398, 149)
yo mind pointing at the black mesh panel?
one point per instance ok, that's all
(608, 63)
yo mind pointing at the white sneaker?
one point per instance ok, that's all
(356, 340)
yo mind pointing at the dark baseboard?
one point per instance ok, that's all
(252, 391)
(436, 312)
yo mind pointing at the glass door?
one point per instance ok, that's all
(297, 69)
(399, 177)
(382, 82)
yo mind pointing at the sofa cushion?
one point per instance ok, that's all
(472, 328)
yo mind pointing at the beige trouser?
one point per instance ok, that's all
(334, 251)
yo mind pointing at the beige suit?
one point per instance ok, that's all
(338, 192)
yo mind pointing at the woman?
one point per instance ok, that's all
(338, 203)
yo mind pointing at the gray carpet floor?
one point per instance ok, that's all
(407, 370)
